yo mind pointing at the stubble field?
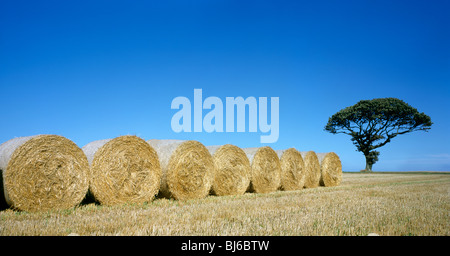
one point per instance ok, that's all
(395, 204)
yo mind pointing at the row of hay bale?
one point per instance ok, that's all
(51, 172)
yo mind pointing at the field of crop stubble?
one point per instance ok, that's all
(383, 203)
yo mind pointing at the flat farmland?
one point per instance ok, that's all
(393, 204)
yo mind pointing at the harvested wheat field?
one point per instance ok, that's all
(395, 204)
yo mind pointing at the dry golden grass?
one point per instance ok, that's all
(386, 204)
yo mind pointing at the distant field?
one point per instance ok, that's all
(383, 203)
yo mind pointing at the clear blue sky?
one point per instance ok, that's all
(91, 70)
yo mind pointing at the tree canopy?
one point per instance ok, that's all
(373, 124)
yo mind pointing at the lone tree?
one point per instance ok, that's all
(373, 123)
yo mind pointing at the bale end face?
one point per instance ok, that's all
(292, 170)
(233, 168)
(266, 170)
(331, 170)
(44, 172)
(125, 169)
(188, 169)
(312, 169)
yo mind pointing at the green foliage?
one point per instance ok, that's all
(373, 124)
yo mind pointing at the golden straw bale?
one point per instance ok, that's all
(43, 172)
(125, 169)
(232, 170)
(312, 169)
(292, 169)
(330, 169)
(187, 169)
(266, 169)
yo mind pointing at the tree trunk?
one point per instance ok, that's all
(368, 164)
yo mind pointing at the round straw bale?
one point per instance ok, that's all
(232, 166)
(125, 169)
(43, 172)
(330, 169)
(312, 169)
(266, 169)
(292, 169)
(187, 169)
